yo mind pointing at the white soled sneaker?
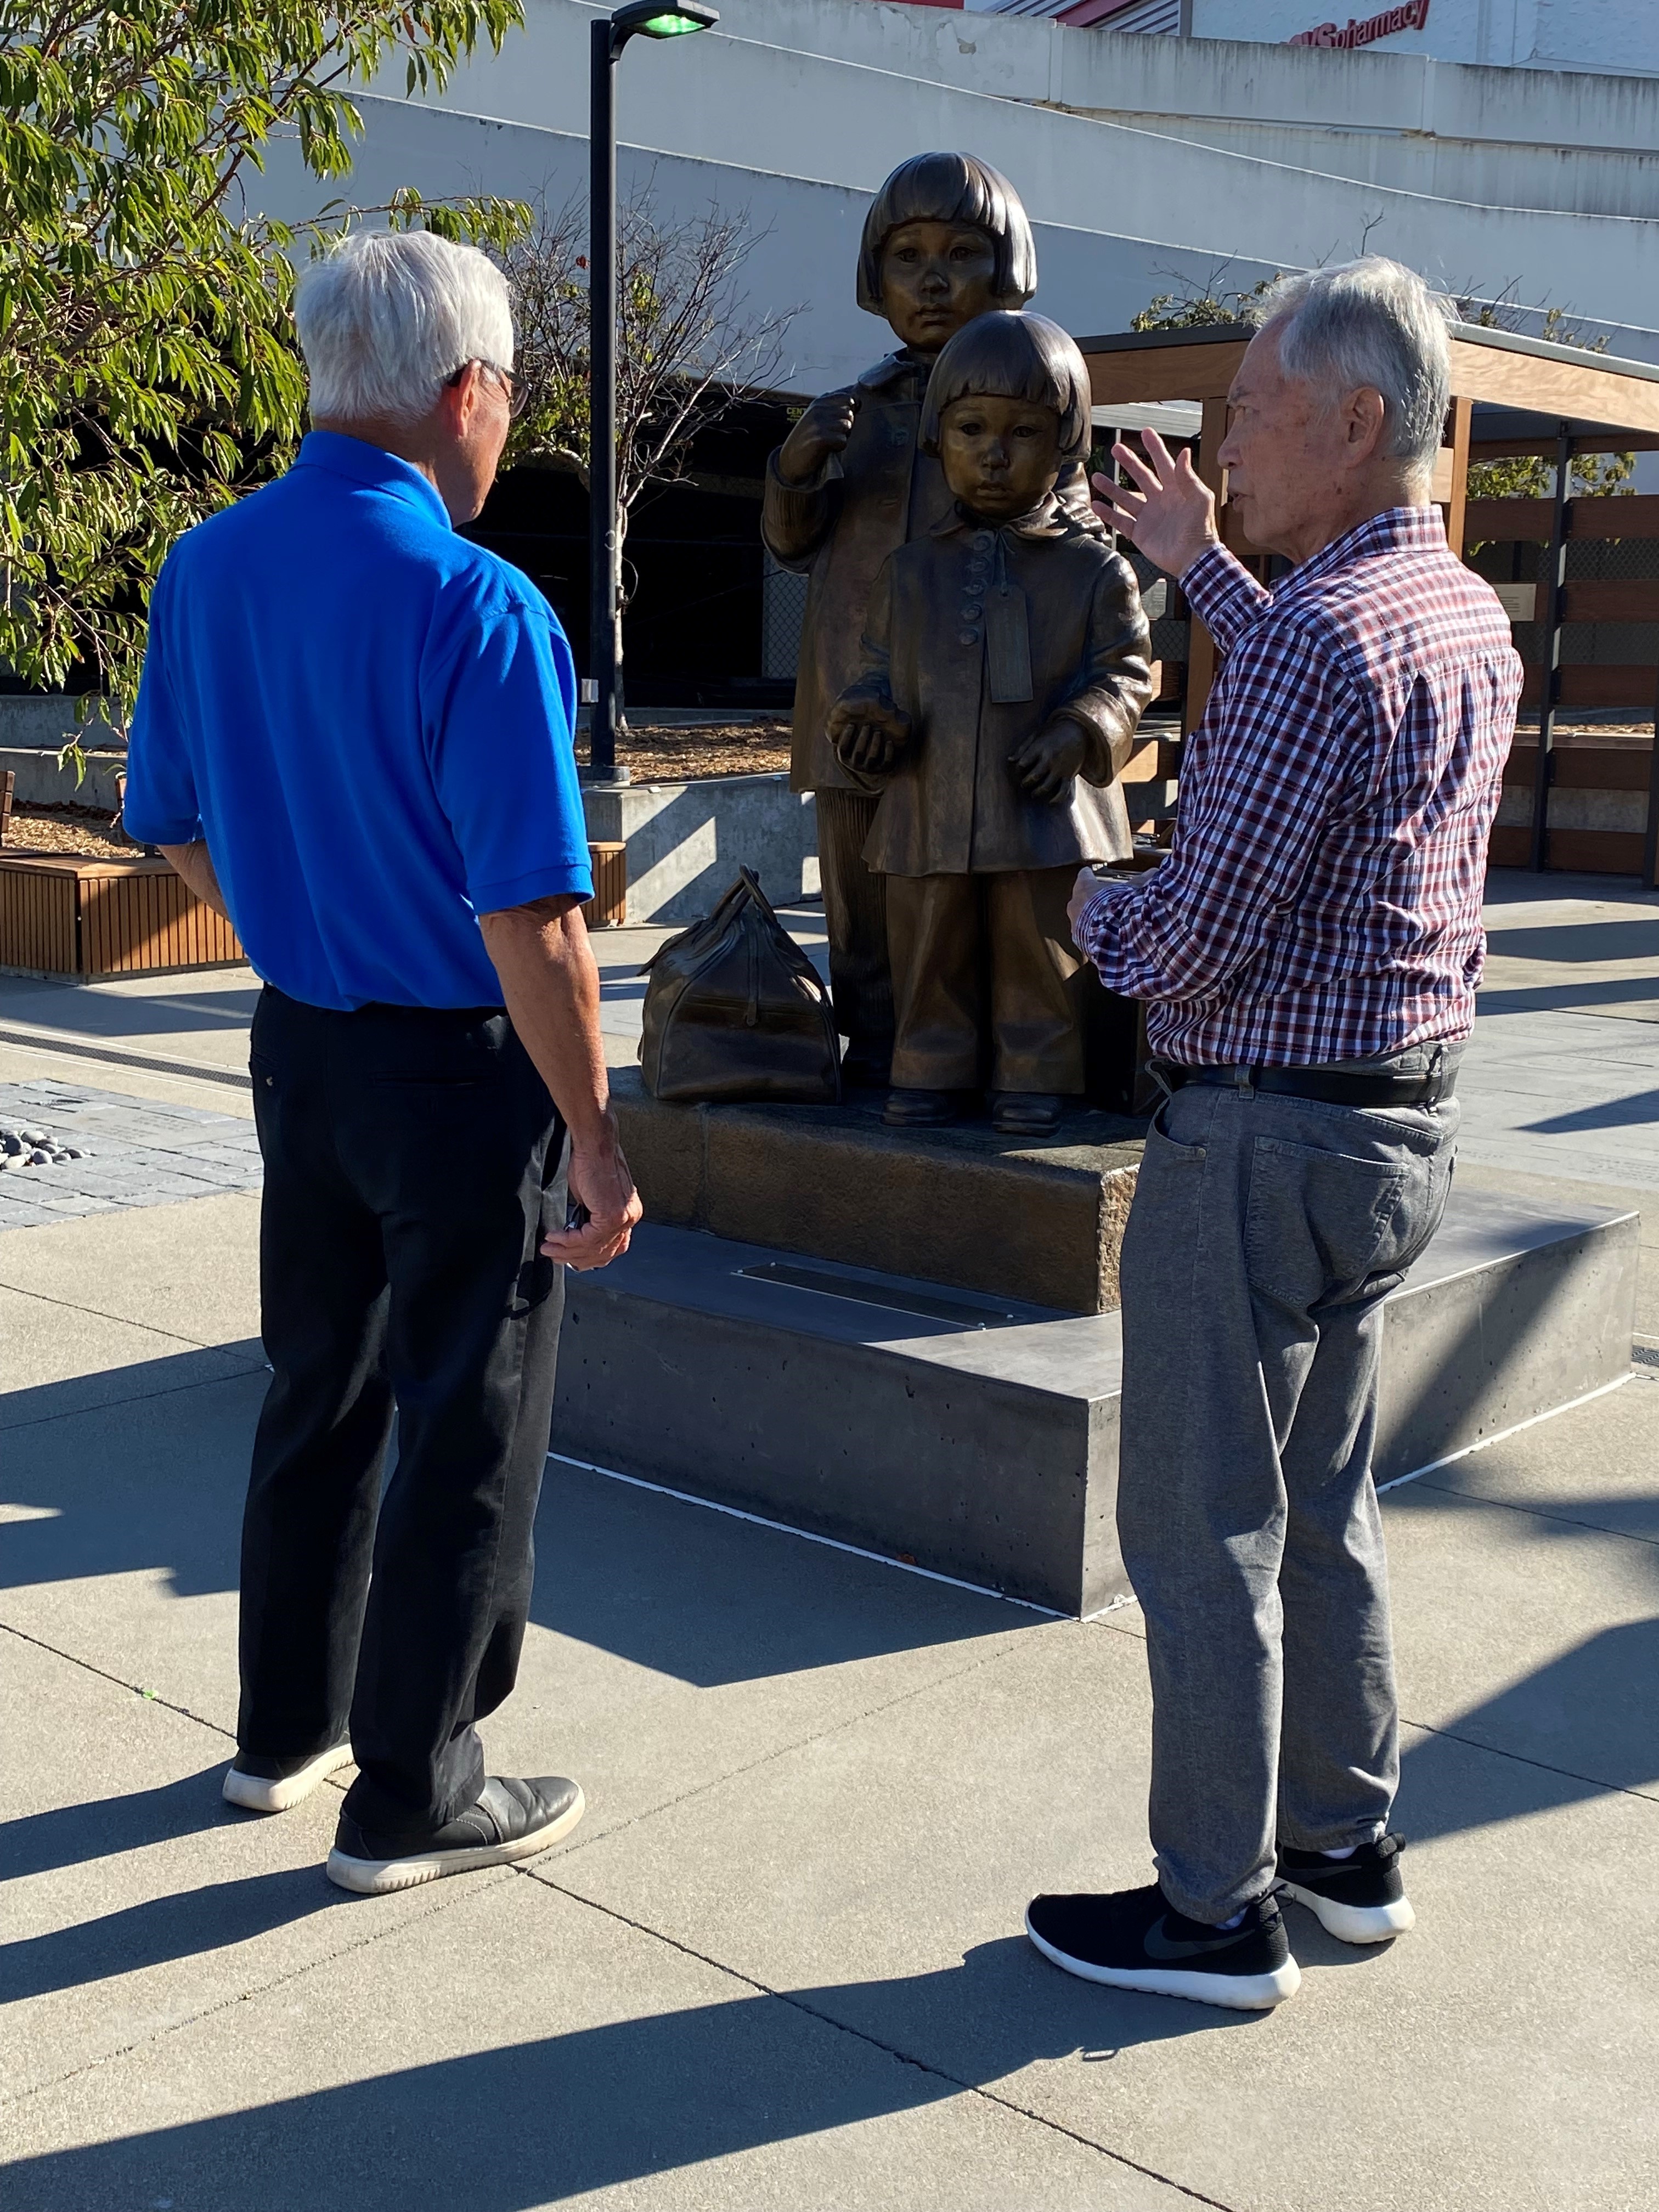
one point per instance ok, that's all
(272, 1785)
(1359, 1899)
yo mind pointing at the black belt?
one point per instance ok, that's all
(1331, 1086)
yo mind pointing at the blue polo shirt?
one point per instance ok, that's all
(369, 720)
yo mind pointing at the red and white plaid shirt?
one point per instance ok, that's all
(1322, 900)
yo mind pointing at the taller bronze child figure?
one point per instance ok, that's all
(945, 239)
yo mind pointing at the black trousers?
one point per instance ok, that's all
(412, 1159)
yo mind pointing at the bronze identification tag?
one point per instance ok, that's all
(1008, 643)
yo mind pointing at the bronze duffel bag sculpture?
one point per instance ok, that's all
(734, 1009)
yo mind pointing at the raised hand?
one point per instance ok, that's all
(823, 429)
(1165, 513)
(1047, 763)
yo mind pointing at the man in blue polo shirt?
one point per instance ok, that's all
(354, 738)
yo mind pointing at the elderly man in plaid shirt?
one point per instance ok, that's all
(1309, 954)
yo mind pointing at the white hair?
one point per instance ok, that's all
(1370, 325)
(388, 315)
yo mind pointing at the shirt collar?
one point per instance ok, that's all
(1046, 519)
(1396, 529)
(359, 462)
(897, 368)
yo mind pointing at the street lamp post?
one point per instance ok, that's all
(651, 19)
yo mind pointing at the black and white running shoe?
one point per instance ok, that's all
(511, 1819)
(1361, 1899)
(1134, 1939)
(272, 1785)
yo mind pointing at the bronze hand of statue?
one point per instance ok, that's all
(1046, 765)
(867, 731)
(823, 429)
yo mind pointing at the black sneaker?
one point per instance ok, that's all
(271, 1785)
(1360, 1899)
(511, 1819)
(1134, 1939)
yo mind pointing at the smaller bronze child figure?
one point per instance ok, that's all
(1005, 672)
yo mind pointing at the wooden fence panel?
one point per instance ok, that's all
(1512, 521)
(37, 918)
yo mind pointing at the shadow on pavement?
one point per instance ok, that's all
(115, 1014)
(104, 1827)
(182, 1926)
(1586, 1723)
(532, 2123)
(1616, 1113)
(156, 1481)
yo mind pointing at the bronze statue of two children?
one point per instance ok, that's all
(973, 666)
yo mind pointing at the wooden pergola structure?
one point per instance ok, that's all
(1511, 396)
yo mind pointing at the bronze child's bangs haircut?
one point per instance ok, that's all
(951, 188)
(1014, 356)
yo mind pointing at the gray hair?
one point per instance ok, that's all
(1370, 325)
(388, 315)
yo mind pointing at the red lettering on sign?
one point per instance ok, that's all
(1412, 17)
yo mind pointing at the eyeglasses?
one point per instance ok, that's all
(513, 386)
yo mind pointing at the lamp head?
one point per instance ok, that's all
(659, 19)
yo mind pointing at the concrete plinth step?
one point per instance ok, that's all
(977, 1435)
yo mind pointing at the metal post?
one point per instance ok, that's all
(601, 686)
(1650, 841)
(1552, 582)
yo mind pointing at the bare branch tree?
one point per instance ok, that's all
(687, 353)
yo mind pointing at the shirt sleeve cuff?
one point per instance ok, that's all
(795, 512)
(153, 830)
(1224, 595)
(1094, 921)
(571, 879)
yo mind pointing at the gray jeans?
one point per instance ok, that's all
(1266, 1232)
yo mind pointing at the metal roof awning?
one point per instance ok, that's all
(1526, 387)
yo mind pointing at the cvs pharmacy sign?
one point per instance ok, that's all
(1412, 17)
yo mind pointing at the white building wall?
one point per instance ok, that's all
(794, 110)
(1616, 36)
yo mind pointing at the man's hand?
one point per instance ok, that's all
(551, 986)
(1171, 517)
(867, 731)
(823, 429)
(1046, 764)
(600, 1187)
(1087, 884)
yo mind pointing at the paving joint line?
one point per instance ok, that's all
(149, 1696)
(862, 2035)
(108, 1404)
(48, 1042)
(784, 1751)
(1497, 1750)
(74, 1305)
(1537, 1512)
(493, 1878)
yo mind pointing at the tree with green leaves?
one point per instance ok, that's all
(149, 372)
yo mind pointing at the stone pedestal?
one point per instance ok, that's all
(977, 1436)
(1041, 1224)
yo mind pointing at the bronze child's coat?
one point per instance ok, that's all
(839, 528)
(981, 634)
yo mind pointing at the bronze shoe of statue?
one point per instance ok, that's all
(1028, 1113)
(922, 1110)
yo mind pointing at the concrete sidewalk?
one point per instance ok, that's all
(780, 1962)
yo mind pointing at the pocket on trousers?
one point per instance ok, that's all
(1168, 1147)
(1319, 1223)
